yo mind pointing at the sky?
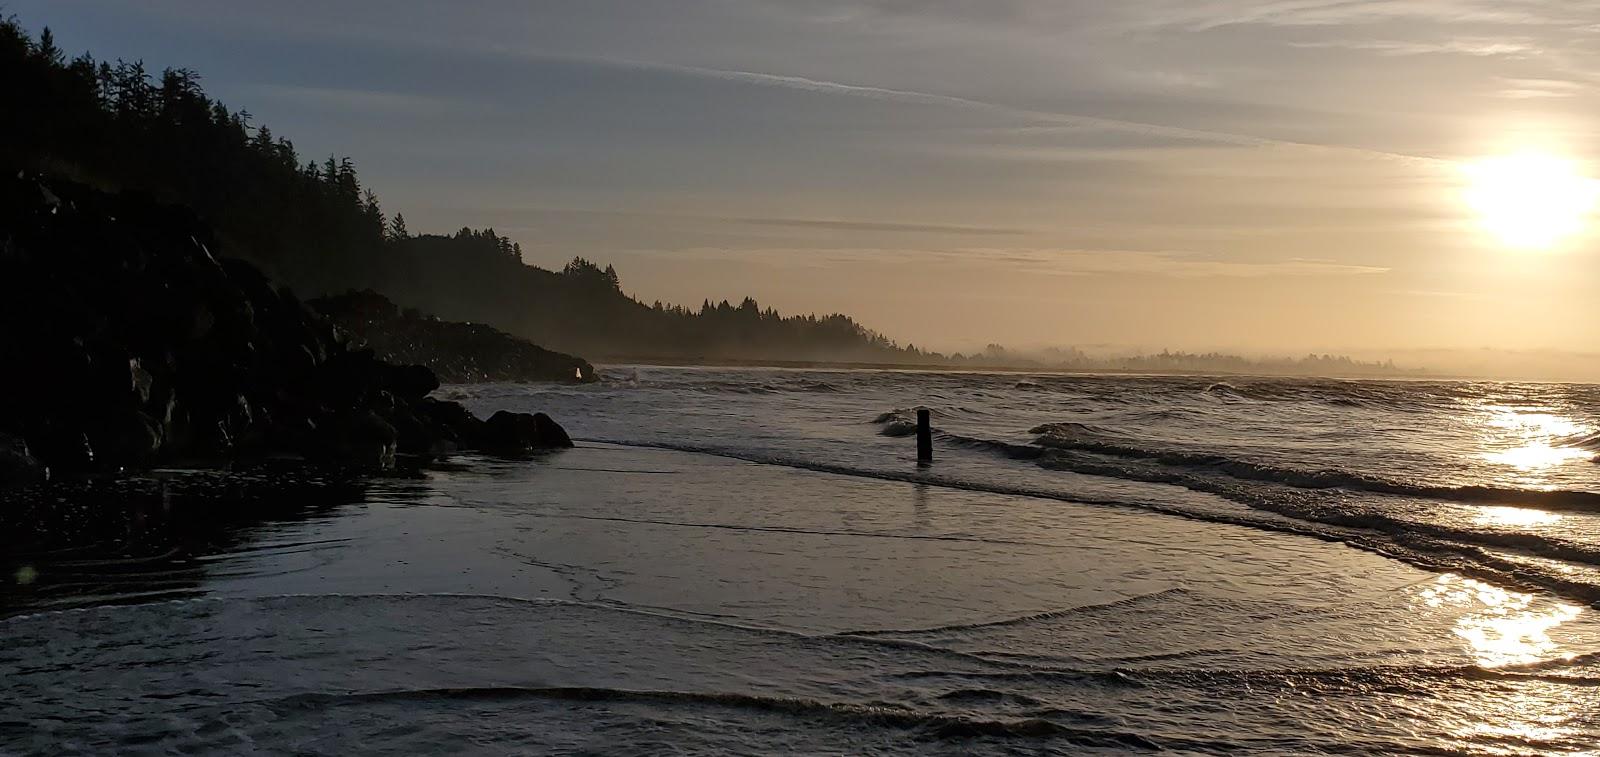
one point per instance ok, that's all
(1264, 176)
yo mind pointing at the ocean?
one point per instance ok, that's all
(751, 561)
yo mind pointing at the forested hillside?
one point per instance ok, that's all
(313, 226)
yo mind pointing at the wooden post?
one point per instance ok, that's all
(924, 437)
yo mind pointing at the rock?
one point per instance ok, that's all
(507, 432)
(364, 441)
(551, 434)
(130, 438)
(17, 463)
(412, 435)
(451, 424)
(412, 382)
(141, 380)
(201, 320)
(165, 406)
(457, 353)
(59, 445)
(346, 378)
(142, 345)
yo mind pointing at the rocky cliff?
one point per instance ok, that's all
(129, 340)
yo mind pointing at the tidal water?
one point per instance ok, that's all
(751, 561)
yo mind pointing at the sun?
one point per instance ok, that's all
(1530, 200)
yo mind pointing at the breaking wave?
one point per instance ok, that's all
(1081, 437)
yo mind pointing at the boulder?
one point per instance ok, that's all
(141, 380)
(362, 440)
(551, 435)
(509, 433)
(411, 382)
(451, 425)
(412, 436)
(60, 444)
(128, 438)
(346, 379)
(17, 463)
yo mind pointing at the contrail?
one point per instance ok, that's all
(928, 98)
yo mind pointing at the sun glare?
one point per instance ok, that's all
(1501, 627)
(1530, 200)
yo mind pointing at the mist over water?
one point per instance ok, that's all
(752, 561)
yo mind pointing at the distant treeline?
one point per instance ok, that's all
(313, 226)
(1323, 365)
(1166, 361)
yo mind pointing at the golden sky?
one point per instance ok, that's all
(1258, 175)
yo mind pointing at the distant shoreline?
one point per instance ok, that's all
(668, 362)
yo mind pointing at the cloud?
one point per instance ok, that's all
(1040, 117)
(1203, 16)
(1056, 262)
(1446, 294)
(1180, 264)
(1479, 47)
(1200, 15)
(362, 100)
(1525, 89)
(913, 228)
(803, 223)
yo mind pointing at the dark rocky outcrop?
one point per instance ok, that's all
(128, 341)
(507, 432)
(458, 353)
(17, 463)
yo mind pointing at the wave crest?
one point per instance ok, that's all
(1088, 438)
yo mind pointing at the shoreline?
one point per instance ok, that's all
(646, 587)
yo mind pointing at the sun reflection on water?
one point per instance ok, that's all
(1536, 455)
(1529, 719)
(1501, 627)
(1515, 516)
(1530, 441)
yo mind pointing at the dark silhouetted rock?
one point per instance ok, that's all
(128, 438)
(128, 342)
(508, 433)
(412, 382)
(364, 440)
(17, 463)
(457, 353)
(550, 434)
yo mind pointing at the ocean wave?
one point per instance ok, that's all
(1376, 395)
(1413, 547)
(1589, 442)
(989, 697)
(1192, 473)
(1419, 678)
(805, 386)
(754, 385)
(898, 428)
(921, 723)
(1077, 436)
(899, 422)
(1225, 390)
(1029, 618)
(280, 602)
